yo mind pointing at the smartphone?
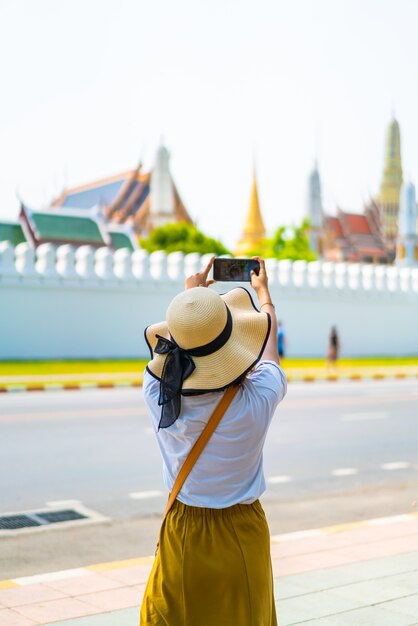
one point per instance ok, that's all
(238, 270)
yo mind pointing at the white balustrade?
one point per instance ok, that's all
(392, 277)
(405, 279)
(46, 260)
(7, 259)
(141, 264)
(314, 274)
(380, 277)
(340, 275)
(354, 276)
(414, 279)
(122, 264)
(158, 265)
(25, 260)
(284, 269)
(84, 262)
(299, 273)
(367, 277)
(192, 264)
(175, 266)
(271, 269)
(328, 274)
(103, 263)
(65, 256)
(72, 263)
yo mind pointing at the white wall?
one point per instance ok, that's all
(80, 303)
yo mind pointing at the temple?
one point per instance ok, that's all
(114, 212)
(371, 236)
(254, 230)
(120, 210)
(141, 199)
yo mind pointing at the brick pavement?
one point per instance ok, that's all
(364, 574)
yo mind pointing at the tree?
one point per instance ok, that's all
(288, 243)
(181, 237)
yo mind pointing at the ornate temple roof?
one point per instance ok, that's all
(12, 232)
(121, 198)
(72, 226)
(353, 237)
(121, 240)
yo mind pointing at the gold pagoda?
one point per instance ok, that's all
(254, 229)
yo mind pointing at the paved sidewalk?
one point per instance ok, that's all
(360, 574)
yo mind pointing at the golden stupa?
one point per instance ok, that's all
(254, 230)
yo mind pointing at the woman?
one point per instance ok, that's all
(213, 567)
(333, 349)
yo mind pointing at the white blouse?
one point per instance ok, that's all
(230, 469)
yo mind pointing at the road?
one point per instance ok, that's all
(336, 452)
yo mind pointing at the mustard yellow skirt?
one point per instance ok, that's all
(213, 568)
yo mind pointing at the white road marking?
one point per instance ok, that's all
(298, 534)
(49, 576)
(275, 480)
(58, 503)
(79, 412)
(144, 495)
(358, 417)
(393, 519)
(344, 471)
(395, 465)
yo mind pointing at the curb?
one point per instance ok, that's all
(98, 568)
(76, 572)
(138, 383)
(332, 378)
(68, 386)
(340, 528)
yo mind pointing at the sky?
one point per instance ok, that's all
(89, 87)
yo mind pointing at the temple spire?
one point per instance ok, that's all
(161, 190)
(254, 229)
(390, 186)
(315, 210)
(407, 244)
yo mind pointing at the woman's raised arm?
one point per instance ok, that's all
(260, 285)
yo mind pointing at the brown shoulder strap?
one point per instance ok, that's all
(200, 444)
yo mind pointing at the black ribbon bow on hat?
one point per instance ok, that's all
(178, 366)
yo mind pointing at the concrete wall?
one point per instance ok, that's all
(80, 303)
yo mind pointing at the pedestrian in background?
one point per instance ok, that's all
(333, 349)
(213, 566)
(281, 341)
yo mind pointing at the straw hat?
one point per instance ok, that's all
(224, 335)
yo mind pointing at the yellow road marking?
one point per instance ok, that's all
(341, 528)
(7, 584)
(107, 567)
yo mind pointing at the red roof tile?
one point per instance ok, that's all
(357, 223)
(336, 226)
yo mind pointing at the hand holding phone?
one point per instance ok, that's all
(237, 270)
